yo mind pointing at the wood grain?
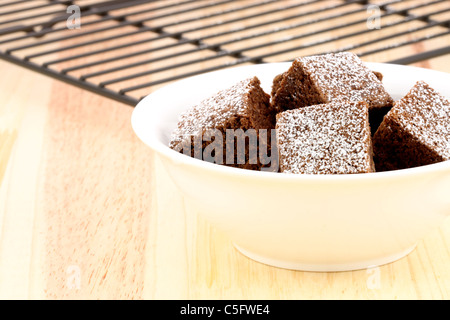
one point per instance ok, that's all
(88, 212)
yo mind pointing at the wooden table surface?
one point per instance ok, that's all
(88, 212)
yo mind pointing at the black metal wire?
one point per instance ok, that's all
(33, 35)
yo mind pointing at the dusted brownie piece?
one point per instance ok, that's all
(277, 81)
(323, 78)
(331, 138)
(415, 132)
(242, 106)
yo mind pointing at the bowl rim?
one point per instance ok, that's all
(162, 149)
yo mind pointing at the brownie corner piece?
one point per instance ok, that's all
(242, 106)
(332, 138)
(415, 132)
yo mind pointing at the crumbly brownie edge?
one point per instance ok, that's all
(258, 107)
(296, 89)
(395, 148)
(276, 83)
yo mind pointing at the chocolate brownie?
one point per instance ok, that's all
(243, 106)
(332, 138)
(277, 81)
(320, 79)
(415, 132)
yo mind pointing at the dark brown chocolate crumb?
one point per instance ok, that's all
(415, 132)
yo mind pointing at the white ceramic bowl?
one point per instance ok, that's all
(303, 222)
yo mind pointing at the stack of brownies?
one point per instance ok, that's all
(331, 115)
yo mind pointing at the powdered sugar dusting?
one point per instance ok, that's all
(325, 139)
(425, 114)
(213, 112)
(345, 75)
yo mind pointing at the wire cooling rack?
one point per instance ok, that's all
(126, 49)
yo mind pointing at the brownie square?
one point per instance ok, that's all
(415, 132)
(241, 107)
(321, 79)
(331, 138)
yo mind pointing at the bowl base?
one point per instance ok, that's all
(298, 266)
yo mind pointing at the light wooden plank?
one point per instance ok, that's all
(20, 188)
